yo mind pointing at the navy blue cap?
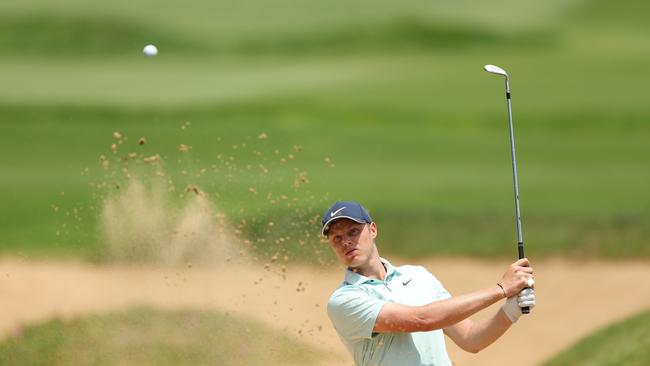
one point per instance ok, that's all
(345, 210)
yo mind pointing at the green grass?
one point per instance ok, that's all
(65, 37)
(623, 343)
(392, 94)
(222, 19)
(454, 199)
(151, 337)
(45, 35)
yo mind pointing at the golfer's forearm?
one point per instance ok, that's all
(484, 332)
(441, 314)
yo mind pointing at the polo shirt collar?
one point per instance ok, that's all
(354, 278)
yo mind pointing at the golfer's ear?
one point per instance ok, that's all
(373, 229)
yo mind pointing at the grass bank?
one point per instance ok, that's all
(144, 336)
(623, 343)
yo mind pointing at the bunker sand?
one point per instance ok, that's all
(573, 300)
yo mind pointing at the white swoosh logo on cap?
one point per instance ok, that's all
(336, 212)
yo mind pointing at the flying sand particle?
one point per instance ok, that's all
(104, 162)
(194, 189)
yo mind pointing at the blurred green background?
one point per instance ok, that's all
(379, 101)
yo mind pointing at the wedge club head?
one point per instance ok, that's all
(493, 69)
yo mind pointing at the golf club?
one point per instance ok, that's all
(492, 69)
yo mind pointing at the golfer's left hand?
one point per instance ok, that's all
(526, 298)
(512, 307)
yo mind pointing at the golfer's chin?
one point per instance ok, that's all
(353, 259)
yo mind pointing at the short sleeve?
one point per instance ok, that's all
(353, 312)
(441, 291)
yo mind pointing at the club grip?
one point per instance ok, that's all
(520, 249)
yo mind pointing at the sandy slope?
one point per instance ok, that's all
(573, 299)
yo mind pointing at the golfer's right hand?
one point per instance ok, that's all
(516, 277)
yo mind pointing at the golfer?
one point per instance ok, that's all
(396, 316)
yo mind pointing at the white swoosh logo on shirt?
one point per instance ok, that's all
(336, 212)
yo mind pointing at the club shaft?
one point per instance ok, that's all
(520, 240)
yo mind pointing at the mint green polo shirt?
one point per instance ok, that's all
(353, 309)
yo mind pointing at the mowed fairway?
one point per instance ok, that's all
(397, 104)
(266, 112)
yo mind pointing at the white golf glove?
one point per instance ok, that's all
(512, 307)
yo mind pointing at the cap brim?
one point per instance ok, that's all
(327, 224)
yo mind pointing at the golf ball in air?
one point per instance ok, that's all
(150, 50)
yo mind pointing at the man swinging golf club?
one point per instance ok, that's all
(396, 316)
